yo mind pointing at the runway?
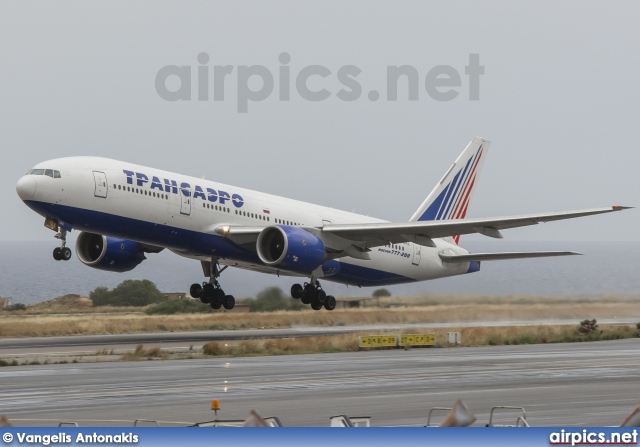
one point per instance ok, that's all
(592, 383)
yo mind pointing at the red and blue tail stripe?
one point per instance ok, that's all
(453, 201)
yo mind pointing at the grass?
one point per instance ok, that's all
(486, 336)
(404, 310)
(478, 336)
(141, 353)
(283, 346)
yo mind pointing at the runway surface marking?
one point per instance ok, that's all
(315, 381)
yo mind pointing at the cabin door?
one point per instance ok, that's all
(101, 186)
(185, 201)
(417, 254)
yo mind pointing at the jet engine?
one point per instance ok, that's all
(108, 253)
(290, 248)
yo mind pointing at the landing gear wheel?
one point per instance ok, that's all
(330, 303)
(321, 296)
(215, 305)
(208, 293)
(56, 254)
(65, 253)
(316, 305)
(195, 291)
(296, 291)
(308, 297)
(229, 302)
(308, 294)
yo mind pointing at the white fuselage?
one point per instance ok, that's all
(179, 212)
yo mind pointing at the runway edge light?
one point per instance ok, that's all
(215, 404)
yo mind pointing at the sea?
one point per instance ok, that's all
(28, 273)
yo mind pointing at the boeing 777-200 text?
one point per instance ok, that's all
(125, 210)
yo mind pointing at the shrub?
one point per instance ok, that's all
(587, 327)
(380, 293)
(17, 306)
(128, 293)
(212, 348)
(272, 299)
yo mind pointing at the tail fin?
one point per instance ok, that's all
(451, 196)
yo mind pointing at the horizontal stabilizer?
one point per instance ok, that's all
(505, 255)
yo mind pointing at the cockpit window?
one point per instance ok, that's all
(50, 172)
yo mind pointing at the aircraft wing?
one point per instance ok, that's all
(374, 234)
(355, 240)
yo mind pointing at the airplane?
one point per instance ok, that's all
(124, 211)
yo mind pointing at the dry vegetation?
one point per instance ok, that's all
(470, 337)
(65, 315)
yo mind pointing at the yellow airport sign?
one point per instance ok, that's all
(378, 341)
(417, 339)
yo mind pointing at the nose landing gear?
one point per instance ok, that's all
(62, 253)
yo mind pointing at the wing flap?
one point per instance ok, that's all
(502, 256)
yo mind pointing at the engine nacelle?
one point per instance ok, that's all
(290, 248)
(108, 253)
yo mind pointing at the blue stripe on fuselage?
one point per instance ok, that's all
(357, 275)
(191, 242)
(188, 241)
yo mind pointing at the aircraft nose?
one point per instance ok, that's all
(26, 187)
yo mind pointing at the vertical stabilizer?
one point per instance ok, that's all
(451, 196)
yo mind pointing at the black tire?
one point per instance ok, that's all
(65, 253)
(208, 293)
(296, 291)
(316, 305)
(195, 291)
(56, 254)
(321, 296)
(215, 305)
(229, 302)
(330, 303)
(218, 295)
(309, 294)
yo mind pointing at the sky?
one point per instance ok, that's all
(557, 97)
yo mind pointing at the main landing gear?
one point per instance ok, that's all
(210, 292)
(312, 293)
(62, 253)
